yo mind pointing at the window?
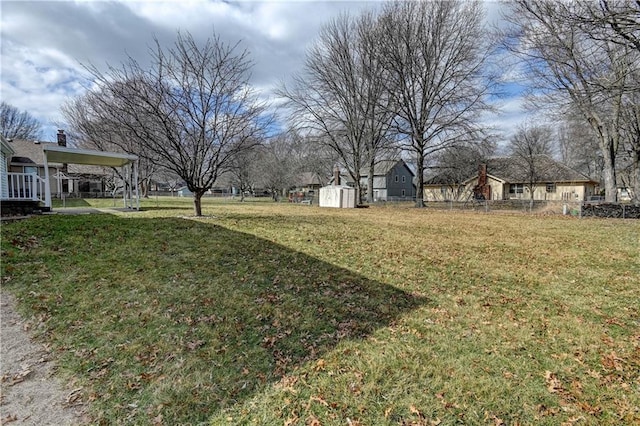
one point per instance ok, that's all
(516, 188)
(30, 169)
(396, 178)
(551, 187)
(403, 193)
(404, 179)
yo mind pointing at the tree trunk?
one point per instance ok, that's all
(420, 179)
(636, 177)
(358, 188)
(609, 175)
(197, 203)
(531, 199)
(370, 181)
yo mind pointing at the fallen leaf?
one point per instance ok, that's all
(320, 365)
(612, 362)
(313, 421)
(8, 418)
(74, 395)
(319, 399)
(387, 411)
(414, 410)
(553, 384)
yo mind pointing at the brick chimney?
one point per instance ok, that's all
(62, 141)
(482, 175)
(482, 191)
(336, 176)
(62, 138)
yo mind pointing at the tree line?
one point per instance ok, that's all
(408, 78)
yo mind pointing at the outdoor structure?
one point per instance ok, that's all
(36, 170)
(506, 178)
(62, 154)
(68, 180)
(392, 180)
(337, 195)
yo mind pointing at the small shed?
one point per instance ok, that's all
(343, 197)
(336, 195)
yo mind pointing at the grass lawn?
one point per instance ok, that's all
(276, 314)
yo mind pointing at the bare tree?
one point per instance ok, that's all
(88, 129)
(192, 111)
(578, 148)
(278, 165)
(436, 53)
(630, 131)
(570, 65)
(341, 98)
(616, 21)
(244, 170)
(457, 163)
(525, 148)
(16, 124)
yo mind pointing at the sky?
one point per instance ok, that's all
(45, 44)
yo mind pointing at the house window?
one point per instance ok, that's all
(403, 192)
(516, 188)
(404, 179)
(396, 178)
(30, 169)
(551, 187)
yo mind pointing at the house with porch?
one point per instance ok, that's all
(34, 170)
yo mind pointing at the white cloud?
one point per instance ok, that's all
(44, 44)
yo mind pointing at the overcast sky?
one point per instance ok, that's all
(45, 43)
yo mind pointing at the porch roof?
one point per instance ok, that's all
(60, 154)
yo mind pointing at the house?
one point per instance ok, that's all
(67, 180)
(309, 182)
(446, 186)
(392, 181)
(505, 178)
(6, 152)
(36, 169)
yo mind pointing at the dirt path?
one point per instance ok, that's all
(29, 392)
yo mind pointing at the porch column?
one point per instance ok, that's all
(135, 180)
(47, 188)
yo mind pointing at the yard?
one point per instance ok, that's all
(277, 314)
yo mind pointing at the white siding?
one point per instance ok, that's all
(4, 186)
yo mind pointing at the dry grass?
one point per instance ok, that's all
(266, 313)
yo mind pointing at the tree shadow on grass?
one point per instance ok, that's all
(179, 319)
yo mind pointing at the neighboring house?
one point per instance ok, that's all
(392, 180)
(446, 186)
(504, 178)
(28, 159)
(309, 182)
(35, 171)
(69, 180)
